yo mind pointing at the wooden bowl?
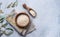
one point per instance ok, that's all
(22, 25)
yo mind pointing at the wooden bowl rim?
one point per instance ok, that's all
(22, 13)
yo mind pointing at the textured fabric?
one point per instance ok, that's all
(11, 20)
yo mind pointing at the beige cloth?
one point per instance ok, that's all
(1, 11)
(11, 20)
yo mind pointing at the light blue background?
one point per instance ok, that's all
(47, 21)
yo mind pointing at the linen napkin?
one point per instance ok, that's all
(11, 20)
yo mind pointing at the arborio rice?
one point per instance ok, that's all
(22, 20)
